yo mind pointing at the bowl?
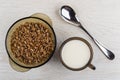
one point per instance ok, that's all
(30, 42)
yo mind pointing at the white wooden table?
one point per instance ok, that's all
(100, 17)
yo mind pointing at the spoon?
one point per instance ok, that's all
(69, 15)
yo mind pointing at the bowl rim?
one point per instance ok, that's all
(54, 35)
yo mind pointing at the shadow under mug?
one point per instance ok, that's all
(90, 59)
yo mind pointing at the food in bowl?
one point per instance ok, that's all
(30, 42)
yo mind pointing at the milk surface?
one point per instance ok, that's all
(75, 54)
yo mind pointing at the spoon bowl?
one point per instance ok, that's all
(69, 15)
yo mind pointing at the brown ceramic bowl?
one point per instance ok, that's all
(14, 27)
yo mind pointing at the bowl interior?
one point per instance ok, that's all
(11, 32)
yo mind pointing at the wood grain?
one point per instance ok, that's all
(100, 17)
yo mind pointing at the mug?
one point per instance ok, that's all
(62, 48)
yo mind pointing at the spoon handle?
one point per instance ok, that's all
(105, 51)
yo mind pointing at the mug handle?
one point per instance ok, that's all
(92, 66)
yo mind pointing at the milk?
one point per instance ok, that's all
(75, 54)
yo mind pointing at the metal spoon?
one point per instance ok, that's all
(69, 15)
